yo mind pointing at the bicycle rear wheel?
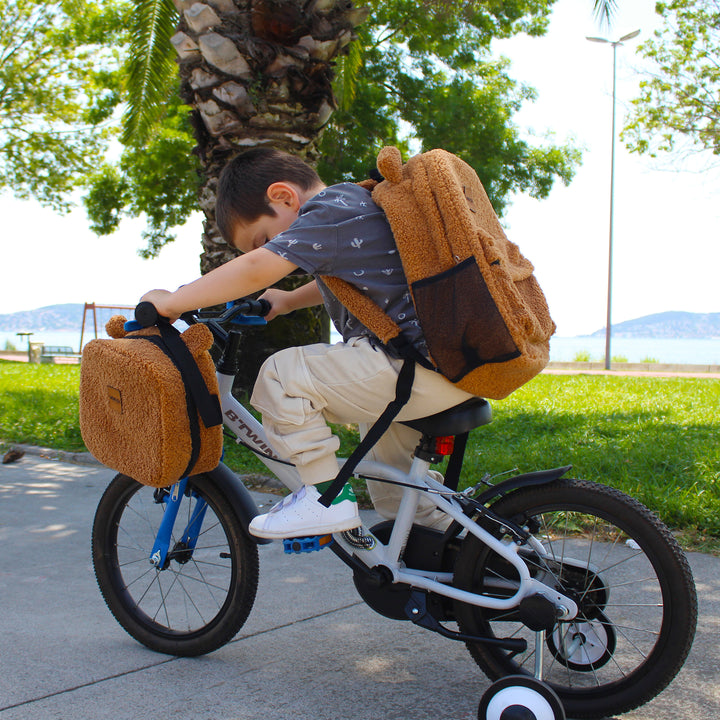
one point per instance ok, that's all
(200, 599)
(625, 571)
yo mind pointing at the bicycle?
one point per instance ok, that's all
(571, 596)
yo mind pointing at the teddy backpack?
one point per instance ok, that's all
(484, 317)
(149, 402)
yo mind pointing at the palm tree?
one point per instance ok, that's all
(253, 72)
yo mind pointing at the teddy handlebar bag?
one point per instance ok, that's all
(149, 401)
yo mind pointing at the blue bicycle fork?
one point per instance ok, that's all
(189, 537)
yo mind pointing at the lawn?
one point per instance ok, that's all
(654, 438)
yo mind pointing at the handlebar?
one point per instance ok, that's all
(146, 315)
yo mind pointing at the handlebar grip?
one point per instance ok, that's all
(247, 306)
(265, 307)
(146, 315)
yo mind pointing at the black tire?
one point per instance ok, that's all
(629, 577)
(200, 600)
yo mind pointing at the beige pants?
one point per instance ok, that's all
(299, 389)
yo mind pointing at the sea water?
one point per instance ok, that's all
(563, 349)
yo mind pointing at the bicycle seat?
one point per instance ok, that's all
(455, 421)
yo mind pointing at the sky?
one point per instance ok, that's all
(666, 220)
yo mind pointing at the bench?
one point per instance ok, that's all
(61, 353)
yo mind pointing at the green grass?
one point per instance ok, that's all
(654, 438)
(39, 405)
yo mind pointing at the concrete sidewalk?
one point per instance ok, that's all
(311, 650)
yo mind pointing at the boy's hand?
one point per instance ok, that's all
(285, 301)
(280, 302)
(162, 300)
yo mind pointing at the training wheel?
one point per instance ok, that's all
(519, 697)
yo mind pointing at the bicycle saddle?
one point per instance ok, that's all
(455, 421)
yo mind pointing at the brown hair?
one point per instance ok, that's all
(243, 184)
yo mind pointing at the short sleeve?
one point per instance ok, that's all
(311, 246)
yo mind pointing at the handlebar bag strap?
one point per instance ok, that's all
(208, 404)
(403, 388)
(198, 399)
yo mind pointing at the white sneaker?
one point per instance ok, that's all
(300, 515)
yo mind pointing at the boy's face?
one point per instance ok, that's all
(284, 200)
(251, 235)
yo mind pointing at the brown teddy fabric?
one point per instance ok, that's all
(482, 311)
(133, 412)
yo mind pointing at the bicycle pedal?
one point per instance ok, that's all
(306, 544)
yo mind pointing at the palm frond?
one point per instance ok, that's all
(151, 67)
(347, 70)
(604, 10)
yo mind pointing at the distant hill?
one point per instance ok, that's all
(668, 325)
(52, 317)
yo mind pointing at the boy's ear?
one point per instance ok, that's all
(285, 194)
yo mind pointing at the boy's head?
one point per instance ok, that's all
(255, 195)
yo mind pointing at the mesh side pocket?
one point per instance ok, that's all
(461, 322)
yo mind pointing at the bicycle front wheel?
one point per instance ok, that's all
(202, 596)
(628, 576)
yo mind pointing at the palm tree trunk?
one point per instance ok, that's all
(259, 72)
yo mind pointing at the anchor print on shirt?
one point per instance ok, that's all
(357, 243)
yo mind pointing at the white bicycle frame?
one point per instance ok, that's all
(248, 430)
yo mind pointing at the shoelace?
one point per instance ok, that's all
(289, 500)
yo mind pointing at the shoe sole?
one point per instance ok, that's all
(307, 532)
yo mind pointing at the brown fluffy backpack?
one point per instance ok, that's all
(149, 404)
(483, 314)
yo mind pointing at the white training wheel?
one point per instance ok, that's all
(520, 697)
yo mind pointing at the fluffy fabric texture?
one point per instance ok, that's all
(482, 311)
(133, 412)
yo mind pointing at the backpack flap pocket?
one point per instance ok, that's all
(462, 324)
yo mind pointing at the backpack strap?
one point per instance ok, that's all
(375, 319)
(403, 389)
(363, 308)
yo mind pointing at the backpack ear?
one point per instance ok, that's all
(389, 162)
(115, 327)
(198, 338)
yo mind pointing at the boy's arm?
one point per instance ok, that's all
(241, 276)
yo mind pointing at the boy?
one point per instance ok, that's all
(275, 209)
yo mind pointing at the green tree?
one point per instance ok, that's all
(428, 79)
(59, 86)
(679, 103)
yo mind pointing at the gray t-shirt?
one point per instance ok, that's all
(342, 232)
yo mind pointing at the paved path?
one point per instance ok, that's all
(309, 651)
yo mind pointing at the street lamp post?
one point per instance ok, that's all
(608, 325)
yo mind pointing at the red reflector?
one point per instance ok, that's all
(444, 445)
